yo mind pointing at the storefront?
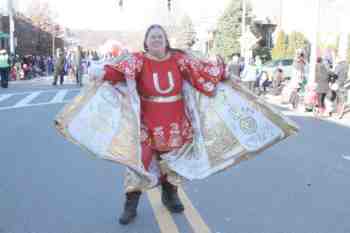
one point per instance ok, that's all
(4, 40)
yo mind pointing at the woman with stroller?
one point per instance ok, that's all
(290, 92)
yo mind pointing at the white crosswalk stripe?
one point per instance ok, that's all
(5, 96)
(59, 97)
(24, 102)
(30, 98)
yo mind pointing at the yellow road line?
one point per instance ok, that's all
(193, 217)
(164, 218)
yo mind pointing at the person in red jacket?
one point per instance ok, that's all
(160, 73)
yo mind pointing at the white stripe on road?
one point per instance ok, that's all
(5, 96)
(31, 105)
(59, 97)
(27, 100)
(42, 91)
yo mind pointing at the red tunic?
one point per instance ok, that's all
(165, 125)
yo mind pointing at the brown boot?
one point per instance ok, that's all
(129, 214)
(170, 198)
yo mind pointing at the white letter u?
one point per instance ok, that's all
(157, 86)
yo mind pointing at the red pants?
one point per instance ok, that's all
(147, 155)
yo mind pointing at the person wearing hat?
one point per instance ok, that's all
(59, 68)
(77, 63)
(4, 68)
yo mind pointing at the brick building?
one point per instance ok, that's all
(29, 39)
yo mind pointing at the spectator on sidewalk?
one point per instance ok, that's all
(278, 77)
(341, 70)
(249, 77)
(233, 68)
(49, 64)
(321, 81)
(264, 83)
(4, 68)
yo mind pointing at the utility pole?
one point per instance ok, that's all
(314, 42)
(281, 14)
(12, 26)
(53, 44)
(343, 30)
(243, 42)
(55, 30)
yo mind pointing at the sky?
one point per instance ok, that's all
(299, 15)
(136, 14)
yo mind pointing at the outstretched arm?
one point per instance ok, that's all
(112, 75)
(118, 69)
(202, 75)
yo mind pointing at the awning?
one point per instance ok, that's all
(4, 35)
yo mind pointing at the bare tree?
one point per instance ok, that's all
(41, 13)
(187, 33)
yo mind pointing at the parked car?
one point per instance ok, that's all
(285, 64)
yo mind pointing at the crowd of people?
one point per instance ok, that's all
(252, 75)
(23, 67)
(30, 66)
(320, 92)
(73, 62)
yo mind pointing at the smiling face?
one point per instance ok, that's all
(156, 41)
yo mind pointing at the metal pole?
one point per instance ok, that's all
(53, 45)
(281, 13)
(12, 27)
(343, 32)
(244, 9)
(314, 43)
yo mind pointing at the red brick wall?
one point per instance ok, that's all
(31, 40)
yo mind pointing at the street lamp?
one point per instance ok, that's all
(121, 4)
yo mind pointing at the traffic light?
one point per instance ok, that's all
(169, 5)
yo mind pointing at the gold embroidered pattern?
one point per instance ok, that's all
(218, 139)
(175, 139)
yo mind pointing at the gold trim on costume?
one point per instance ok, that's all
(162, 99)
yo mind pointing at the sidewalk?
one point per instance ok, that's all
(44, 80)
(285, 109)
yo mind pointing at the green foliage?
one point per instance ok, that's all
(187, 34)
(41, 12)
(296, 40)
(263, 52)
(280, 49)
(227, 37)
(286, 45)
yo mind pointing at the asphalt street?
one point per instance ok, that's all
(49, 185)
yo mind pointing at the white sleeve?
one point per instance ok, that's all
(96, 71)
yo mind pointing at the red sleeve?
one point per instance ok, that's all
(127, 66)
(112, 75)
(202, 75)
